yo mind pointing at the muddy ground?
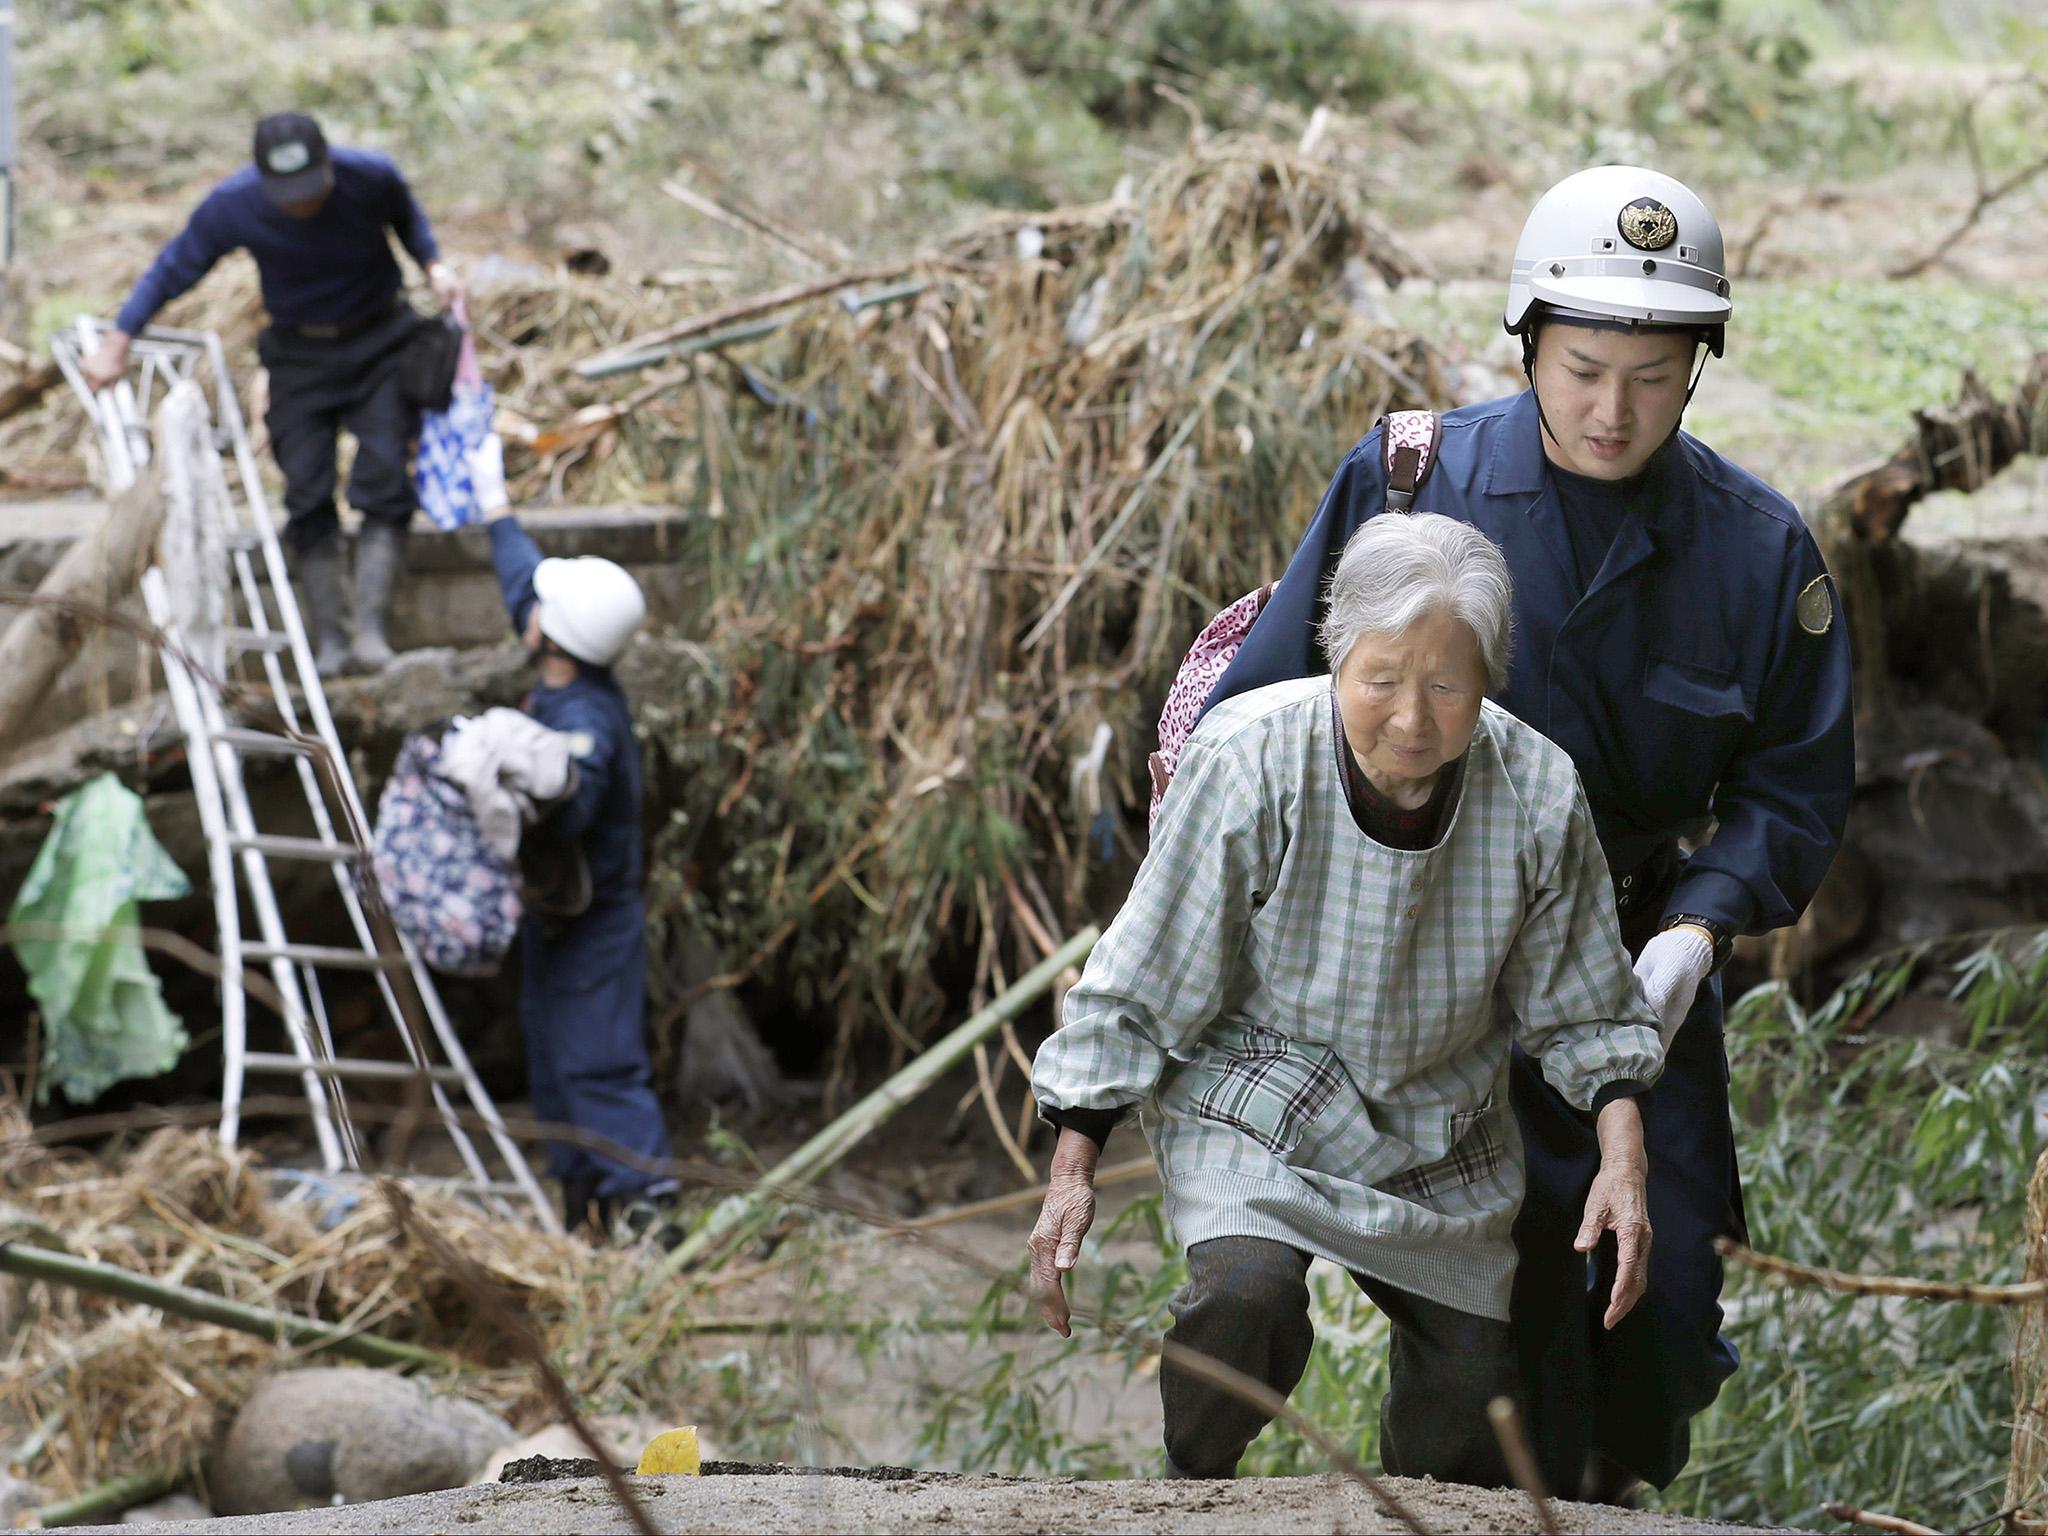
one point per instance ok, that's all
(938, 1502)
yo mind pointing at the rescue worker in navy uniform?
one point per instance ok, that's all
(1677, 634)
(319, 222)
(583, 974)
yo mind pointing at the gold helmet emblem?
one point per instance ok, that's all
(1647, 224)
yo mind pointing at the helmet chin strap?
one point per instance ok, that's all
(1529, 369)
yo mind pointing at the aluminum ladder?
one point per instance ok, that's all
(233, 569)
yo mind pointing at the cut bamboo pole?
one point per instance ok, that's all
(735, 1219)
(753, 330)
(281, 1327)
(746, 309)
(111, 1497)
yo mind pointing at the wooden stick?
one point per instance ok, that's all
(733, 1220)
(28, 389)
(1514, 1447)
(1876, 1522)
(729, 211)
(44, 637)
(1881, 1285)
(202, 1307)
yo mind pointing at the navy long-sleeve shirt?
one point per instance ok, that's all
(330, 269)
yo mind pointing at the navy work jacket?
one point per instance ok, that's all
(604, 813)
(1683, 682)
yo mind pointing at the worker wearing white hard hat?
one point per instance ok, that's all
(583, 997)
(1676, 634)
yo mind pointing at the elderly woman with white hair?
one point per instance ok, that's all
(1361, 888)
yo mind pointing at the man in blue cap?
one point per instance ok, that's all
(318, 220)
(1677, 634)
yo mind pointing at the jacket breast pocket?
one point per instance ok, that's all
(1476, 1153)
(1268, 1086)
(1718, 693)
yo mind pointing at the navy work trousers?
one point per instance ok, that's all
(583, 1008)
(318, 385)
(1631, 1393)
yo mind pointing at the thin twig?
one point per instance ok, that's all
(1816, 1278)
(1987, 194)
(162, 940)
(508, 1321)
(1514, 1448)
(1837, 1510)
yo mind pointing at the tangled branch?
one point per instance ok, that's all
(1815, 1278)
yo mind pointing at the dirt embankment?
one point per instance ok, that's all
(838, 1501)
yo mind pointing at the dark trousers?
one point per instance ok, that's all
(1630, 1394)
(1246, 1304)
(318, 385)
(583, 1009)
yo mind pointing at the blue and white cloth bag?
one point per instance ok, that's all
(447, 492)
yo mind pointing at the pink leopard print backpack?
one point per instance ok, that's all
(1410, 442)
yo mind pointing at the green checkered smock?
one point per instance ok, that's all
(1315, 1027)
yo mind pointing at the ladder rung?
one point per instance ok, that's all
(275, 641)
(321, 954)
(277, 1061)
(471, 1186)
(263, 742)
(308, 848)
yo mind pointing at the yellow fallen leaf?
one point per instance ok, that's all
(672, 1452)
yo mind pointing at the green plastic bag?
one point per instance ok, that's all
(104, 1017)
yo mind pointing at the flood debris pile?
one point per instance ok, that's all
(955, 519)
(954, 544)
(100, 1387)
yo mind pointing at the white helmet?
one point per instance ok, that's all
(1620, 243)
(589, 606)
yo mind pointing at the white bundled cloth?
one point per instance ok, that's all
(507, 762)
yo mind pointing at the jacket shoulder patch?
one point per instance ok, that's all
(1816, 606)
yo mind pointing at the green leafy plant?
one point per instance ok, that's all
(1883, 1155)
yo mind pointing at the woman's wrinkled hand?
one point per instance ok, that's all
(1619, 1202)
(1064, 1219)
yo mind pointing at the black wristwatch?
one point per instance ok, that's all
(1724, 940)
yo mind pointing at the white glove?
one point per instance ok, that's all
(487, 473)
(1670, 970)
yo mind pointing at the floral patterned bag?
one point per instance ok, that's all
(448, 891)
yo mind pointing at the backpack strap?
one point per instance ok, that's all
(1410, 441)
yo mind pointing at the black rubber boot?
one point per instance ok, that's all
(655, 1216)
(380, 555)
(317, 569)
(581, 1214)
